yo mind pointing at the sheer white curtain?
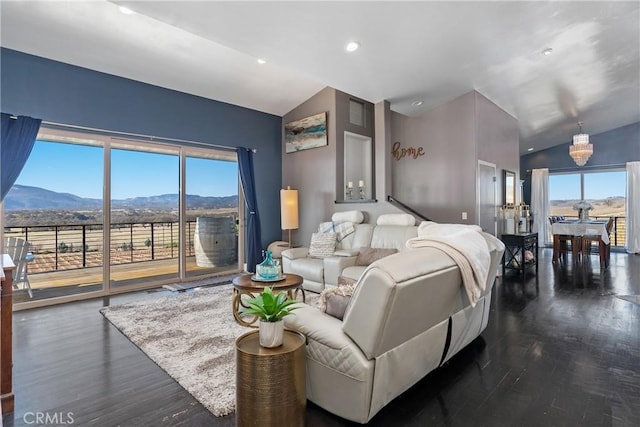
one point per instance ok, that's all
(540, 204)
(633, 207)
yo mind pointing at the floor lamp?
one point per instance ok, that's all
(289, 210)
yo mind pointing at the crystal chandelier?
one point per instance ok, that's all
(581, 150)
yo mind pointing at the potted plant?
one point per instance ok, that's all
(271, 309)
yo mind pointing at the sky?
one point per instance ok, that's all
(77, 169)
(596, 185)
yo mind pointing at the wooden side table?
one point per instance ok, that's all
(514, 253)
(270, 382)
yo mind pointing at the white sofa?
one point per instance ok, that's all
(408, 315)
(391, 232)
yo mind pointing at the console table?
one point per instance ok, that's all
(514, 254)
(270, 382)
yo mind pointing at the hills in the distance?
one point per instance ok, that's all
(23, 197)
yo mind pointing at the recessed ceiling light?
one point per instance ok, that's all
(417, 103)
(547, 51)
(261, 61)
(530, 149)
(352, 46)
(126, 10)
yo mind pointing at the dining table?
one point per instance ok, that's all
(577, 229)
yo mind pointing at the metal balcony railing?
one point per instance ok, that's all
(68, 247)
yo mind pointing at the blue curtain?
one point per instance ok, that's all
(254, 239)
(16, 141)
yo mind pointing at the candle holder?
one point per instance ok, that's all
(349, 192)
(361, 191)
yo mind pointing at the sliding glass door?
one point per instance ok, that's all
(144, 214)
(211, 212)
(55, 206)
(103, 214)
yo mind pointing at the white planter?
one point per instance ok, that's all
(271, 333)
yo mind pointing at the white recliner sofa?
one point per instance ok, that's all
(391, 232)
(409, 314)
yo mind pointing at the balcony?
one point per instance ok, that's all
(69, 258)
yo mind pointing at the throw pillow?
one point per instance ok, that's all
(322, 245)
(334, 301)
(346, 281)
(369, 255)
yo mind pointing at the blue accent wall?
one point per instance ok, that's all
(610, 149)
(62, 93)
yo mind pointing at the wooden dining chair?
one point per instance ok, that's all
(604, 250)
(564, 239)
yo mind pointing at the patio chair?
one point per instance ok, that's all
(18, 250)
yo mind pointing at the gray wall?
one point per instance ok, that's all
(62, 93)
(612, 149)
(312, 172)
(317, 173)
(342, 101)
(497, 141)
(442, 183)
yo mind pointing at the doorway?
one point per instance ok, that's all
(487, 208)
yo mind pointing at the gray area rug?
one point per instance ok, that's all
(191, 336)
(631, 298)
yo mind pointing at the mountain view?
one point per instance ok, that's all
(22, 197)
(31, 206)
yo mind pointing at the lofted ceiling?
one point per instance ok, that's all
(409, 51)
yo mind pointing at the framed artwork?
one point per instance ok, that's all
(310, 132)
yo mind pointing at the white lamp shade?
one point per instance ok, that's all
(289, 209)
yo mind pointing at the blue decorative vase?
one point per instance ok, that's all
(267, 269)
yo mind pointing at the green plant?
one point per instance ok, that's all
(268, 306)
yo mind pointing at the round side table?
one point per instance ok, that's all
(270, 382)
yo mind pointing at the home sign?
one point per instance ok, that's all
(399, 153)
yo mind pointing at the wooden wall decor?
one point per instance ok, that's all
(399, 153)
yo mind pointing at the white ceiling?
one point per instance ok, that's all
(410, 51)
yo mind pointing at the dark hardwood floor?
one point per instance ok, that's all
(562, 350)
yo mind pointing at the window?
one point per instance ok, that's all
(106, 214)
(604, 190)
(564, 192)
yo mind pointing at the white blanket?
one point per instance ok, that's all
(342, 229)
(466, 245)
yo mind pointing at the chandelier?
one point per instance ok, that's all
(581, 150)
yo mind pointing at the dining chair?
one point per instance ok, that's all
(604, 250)
(564, 239)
